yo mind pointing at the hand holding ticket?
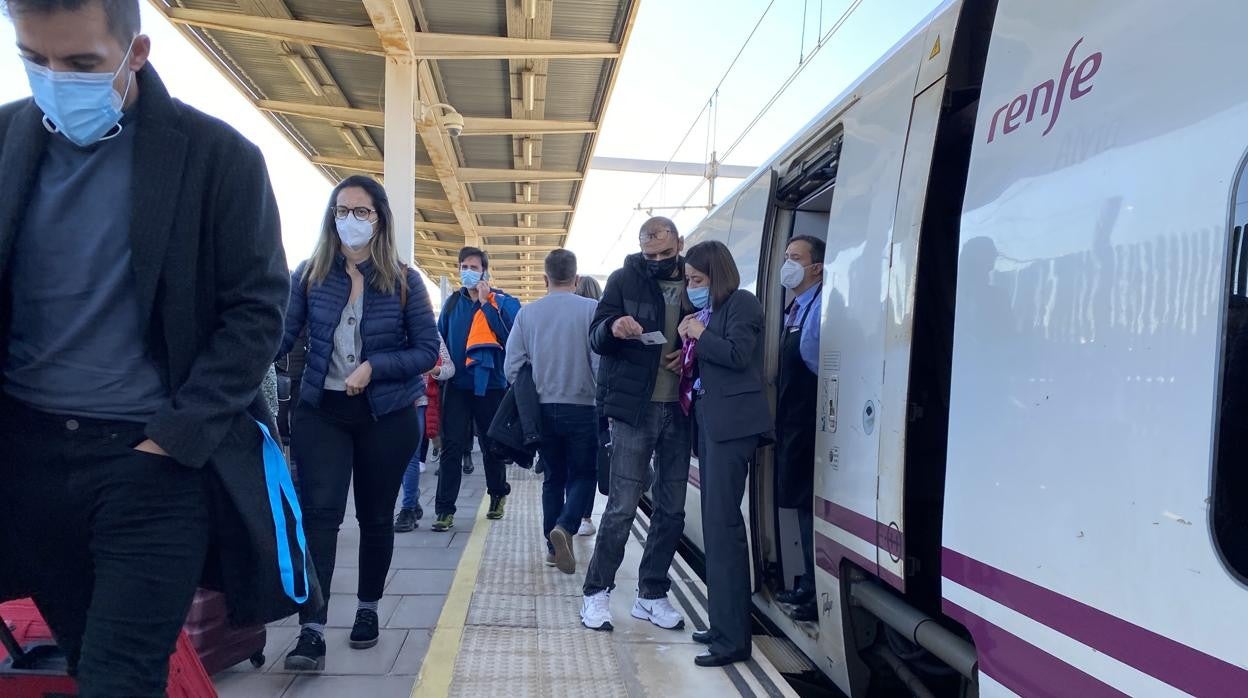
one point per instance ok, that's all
(652, 338)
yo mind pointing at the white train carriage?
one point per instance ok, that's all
(1032, 435)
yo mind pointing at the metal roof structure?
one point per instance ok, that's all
(378, 86)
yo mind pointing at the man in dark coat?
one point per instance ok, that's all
(142, 287)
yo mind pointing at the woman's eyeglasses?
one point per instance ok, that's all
(361, 213)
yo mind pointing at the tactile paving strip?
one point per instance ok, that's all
(523, 634)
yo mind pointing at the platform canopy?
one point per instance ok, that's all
(370, 86)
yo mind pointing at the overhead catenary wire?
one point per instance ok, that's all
(823, 41)
(709, 105)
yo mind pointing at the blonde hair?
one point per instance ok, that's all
(389, 270)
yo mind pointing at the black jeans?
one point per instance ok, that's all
(664, 434)
(461, 410)
(111, 540)
(569, 450)
(334, 442)
(725, 467)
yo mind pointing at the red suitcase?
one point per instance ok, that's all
(221, 645)
(31, 666)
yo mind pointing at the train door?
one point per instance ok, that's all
(903, 259)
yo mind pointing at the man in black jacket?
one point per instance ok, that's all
(638, 389)
(142, 285)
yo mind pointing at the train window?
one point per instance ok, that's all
(1230, 487)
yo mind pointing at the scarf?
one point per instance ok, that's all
(689, 385)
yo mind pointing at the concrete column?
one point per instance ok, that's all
(400, 155)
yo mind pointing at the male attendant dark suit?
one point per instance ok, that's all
(733, 421)
(208, 273)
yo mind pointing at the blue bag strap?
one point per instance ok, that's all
(282, 489)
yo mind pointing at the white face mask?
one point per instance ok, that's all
(354, 232)
(791, 274)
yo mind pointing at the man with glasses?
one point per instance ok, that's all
(142, 285)
(475, 323)
(634, 332)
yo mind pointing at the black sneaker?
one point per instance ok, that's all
(405, 522)
(468, 466)
(496, 508)
(364, 633)
(420, 512)
(308, 654)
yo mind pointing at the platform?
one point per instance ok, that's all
(477, 612)
(512, 624)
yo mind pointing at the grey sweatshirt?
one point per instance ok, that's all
(552, 334)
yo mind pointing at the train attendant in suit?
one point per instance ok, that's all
(722, 384)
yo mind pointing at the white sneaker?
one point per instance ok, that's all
(596, 611)
(659, 612)
(586, 529)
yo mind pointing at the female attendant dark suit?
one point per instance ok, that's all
(733, 421)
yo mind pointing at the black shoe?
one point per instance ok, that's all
(364, 633)
(308, 654)
(496, 508)
(405, 522)
(796, 597)
(468, 466)
(806, 613)
(710, 659)
(420, 512)
(704, 637)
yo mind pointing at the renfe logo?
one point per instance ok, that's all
(1051, 98)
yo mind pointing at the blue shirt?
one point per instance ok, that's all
(808, 346)
(75, 345)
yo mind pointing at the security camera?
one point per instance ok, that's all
(453, 121)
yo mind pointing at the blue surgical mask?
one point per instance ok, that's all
(83, 107)
(469, 277)
(700, 297)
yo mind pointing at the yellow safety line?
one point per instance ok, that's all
(438, 669)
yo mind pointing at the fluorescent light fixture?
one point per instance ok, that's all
(305, 72)
(528, 193)
(528, 152)
(530, 86)
(528, 220)
(531, 8)
(352, 140)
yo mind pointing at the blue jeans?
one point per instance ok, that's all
(569, 450)
(411, 478)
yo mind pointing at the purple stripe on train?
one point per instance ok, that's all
(1174, 663)
(886, 537)
(1024, 668)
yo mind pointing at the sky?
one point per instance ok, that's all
(678, 53)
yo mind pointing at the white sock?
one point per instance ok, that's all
(367, 606)
(318, 628)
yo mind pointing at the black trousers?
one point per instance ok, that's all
(336, 442)
(111, 540)
(461, 410)
(725, 469)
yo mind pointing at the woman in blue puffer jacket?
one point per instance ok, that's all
(371, 338)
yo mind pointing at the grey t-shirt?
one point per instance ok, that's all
(348, 344)
(74, 343)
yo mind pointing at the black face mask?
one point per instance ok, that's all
(662, 268)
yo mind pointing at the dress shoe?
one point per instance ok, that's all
(806, 613)
(796, 597)
(704, 637)
(710, 659)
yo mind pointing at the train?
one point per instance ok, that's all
(1031, 469)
